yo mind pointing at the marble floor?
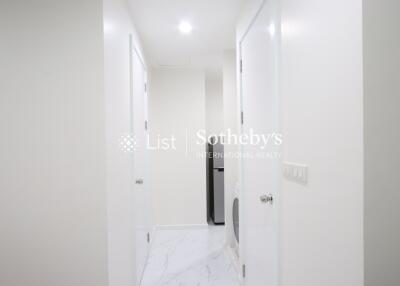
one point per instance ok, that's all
(194, 257)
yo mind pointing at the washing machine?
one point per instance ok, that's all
(235, 219)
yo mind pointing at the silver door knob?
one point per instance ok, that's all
(139, 182)
(267, 199)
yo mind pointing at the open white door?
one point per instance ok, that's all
(260, 171)
(142, 203)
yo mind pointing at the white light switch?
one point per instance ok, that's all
(295, 172)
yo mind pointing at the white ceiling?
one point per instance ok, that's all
(214, 24)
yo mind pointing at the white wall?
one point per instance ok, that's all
(322, 107)
(52, 149)
(382, 134)
(214, 106)
(231, 121)
(120, 194)
(177, 105)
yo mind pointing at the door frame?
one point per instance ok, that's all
(133, 49)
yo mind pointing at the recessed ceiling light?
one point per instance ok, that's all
(185, 27)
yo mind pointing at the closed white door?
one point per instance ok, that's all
(261, 163)
(142, 204)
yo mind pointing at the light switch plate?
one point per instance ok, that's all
(295, 172)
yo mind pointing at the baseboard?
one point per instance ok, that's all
(181, 226)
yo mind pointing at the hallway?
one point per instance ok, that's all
(189, 257)
(199, 143)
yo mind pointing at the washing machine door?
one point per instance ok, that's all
(235, 215)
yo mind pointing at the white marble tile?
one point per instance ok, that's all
(189, 258)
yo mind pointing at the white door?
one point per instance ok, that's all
(260, 166)
(142, 203)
